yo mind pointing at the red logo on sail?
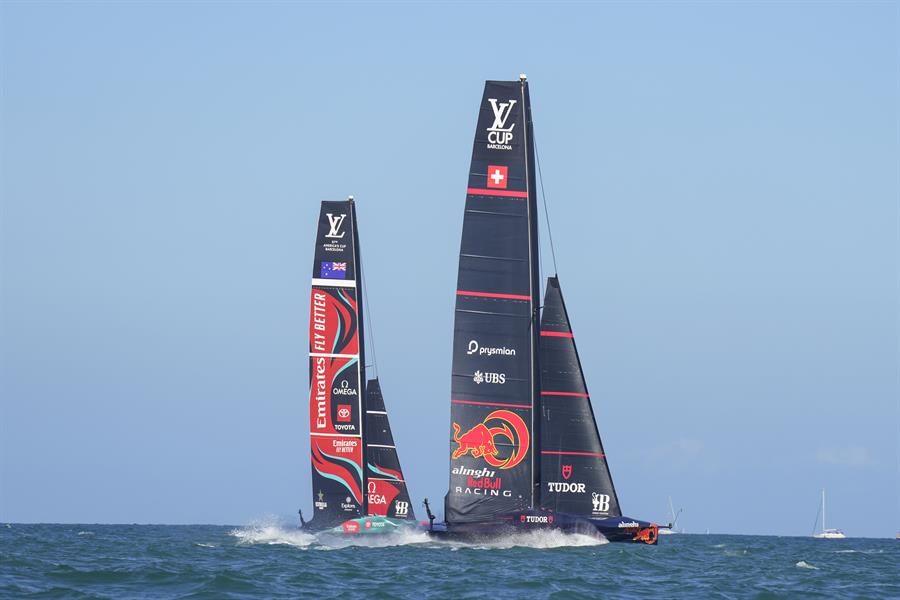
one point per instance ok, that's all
(496, 177)
(566, 472)
(648, 535)
(479, 440)
(343, 413)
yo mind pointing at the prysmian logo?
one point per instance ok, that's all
(334, 226)
(475, 347)
(499, 135)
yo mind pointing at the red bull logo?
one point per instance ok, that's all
(480, 440)
(648, 535)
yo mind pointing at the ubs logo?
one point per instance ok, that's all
(496, 378)
(499, 135)
(334, 226)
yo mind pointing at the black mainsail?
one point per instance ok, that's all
(495, 377)
(572, 457)
(524, 444)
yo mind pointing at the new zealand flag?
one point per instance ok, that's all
(333, 270)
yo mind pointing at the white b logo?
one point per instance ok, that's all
(601, 502)
(401, 508)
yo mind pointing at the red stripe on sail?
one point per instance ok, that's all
(565, 394)
(528, 406)
(557, 334)
(574, 453)
(492, 295)
(486, 192)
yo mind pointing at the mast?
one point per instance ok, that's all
(361, 365)
(534, 258)
(823, 509)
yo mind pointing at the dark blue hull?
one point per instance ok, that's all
(614, 529)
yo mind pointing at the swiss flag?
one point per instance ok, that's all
(496, 176)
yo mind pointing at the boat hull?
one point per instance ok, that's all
(828, 535)
(613, 529)
(371, 525)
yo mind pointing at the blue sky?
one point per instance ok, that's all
(723, 187)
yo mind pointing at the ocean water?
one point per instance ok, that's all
(267, 560)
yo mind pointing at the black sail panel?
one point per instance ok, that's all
(337, 384)
(386, 487)
(493, 383)
(576, 478)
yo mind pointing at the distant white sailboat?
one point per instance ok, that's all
(674, 517)
(827, 534)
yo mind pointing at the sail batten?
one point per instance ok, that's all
(497, 193)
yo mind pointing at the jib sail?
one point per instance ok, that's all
(337, 382)
(495, 373)
(576, 478)
(386, 487)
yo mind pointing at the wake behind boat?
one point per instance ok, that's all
(358, 486)
(525, 449)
